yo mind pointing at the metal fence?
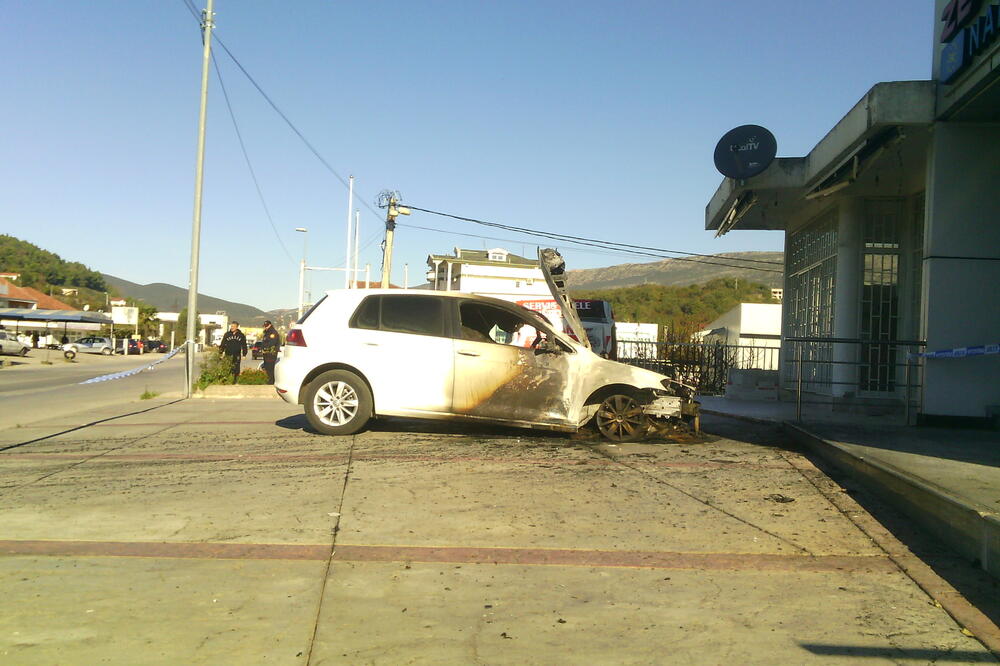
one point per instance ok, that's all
(702, 365)
(872, 374)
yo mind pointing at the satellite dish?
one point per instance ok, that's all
(745, 152)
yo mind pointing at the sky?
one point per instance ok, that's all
(592, 119)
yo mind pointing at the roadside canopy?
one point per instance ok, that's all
(78, 316)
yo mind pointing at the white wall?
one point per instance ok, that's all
(962, 302)
(758, 319)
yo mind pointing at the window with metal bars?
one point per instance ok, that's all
(812, 272)
(880, 295)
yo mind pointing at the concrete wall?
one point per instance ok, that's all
(757, 319)
(961, 268)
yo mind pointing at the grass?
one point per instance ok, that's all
(148, 395)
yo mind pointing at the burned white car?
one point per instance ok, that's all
(360, 354)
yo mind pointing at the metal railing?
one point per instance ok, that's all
(852, 370)
(702, 365)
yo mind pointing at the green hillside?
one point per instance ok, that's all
(40, 268)
(680, 311)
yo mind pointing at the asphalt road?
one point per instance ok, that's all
(220, 531)
(32, 391)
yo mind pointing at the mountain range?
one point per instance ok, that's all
(168, 298)
(762, 267)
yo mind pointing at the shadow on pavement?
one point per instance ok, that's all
(394, 424)
(981, 447)
(894, 653)
(86, 425)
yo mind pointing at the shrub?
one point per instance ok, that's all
(252, 376)
(215, 369)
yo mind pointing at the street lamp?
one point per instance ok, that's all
(302, 268)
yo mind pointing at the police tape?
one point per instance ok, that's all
(958, 352)
(133, 371)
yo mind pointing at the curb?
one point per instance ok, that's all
(970, 529)
(238, 391)
(740, 417)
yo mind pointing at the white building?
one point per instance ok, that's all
(891, 233)
(636, 340)
(495, 272)
(755, 328)
(217, 324)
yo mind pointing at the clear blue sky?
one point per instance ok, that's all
(595, 119)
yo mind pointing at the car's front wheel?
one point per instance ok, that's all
(338, 402)
(106, 351)
(24, 351)
(620, 418)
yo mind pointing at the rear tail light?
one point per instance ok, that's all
(295, 338)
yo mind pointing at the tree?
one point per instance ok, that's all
(181, 327)
(148, 323)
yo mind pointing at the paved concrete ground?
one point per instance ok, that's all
(947, 479)
(221, 531)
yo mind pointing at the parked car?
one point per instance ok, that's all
(256, 351)
(158, 346)
(128, 346)
(359, 354)
(9, 344)
(90, 345)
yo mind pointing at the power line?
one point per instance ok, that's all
(610, 245)
(291, 125)
(246, 157)
(605, 253)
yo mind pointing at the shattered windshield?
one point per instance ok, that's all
(482, 322)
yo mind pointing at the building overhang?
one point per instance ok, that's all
(892, 117)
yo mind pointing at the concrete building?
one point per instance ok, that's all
(755, 328)
(891, 232)
(496, 272)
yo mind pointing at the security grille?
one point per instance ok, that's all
(880, 296)
(812, 272)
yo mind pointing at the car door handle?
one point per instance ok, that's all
(468, 353)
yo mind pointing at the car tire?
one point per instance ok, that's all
(24, 351)
(620, 418)
(106, 351)
(338, 402)
(70, 354)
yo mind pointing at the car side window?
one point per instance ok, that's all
(366, 316)
(420, 315)
(482, 322)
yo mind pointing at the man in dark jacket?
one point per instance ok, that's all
(234, 345)
(269, 345)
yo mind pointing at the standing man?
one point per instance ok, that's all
(269, 345)
(234, 345)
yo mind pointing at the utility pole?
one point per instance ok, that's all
(389, 199)
(207, 23)
(347, 251)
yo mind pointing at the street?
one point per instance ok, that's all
(215, 531)
(30, 390)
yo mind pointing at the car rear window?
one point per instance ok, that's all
(592, 310)
(311, 310)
